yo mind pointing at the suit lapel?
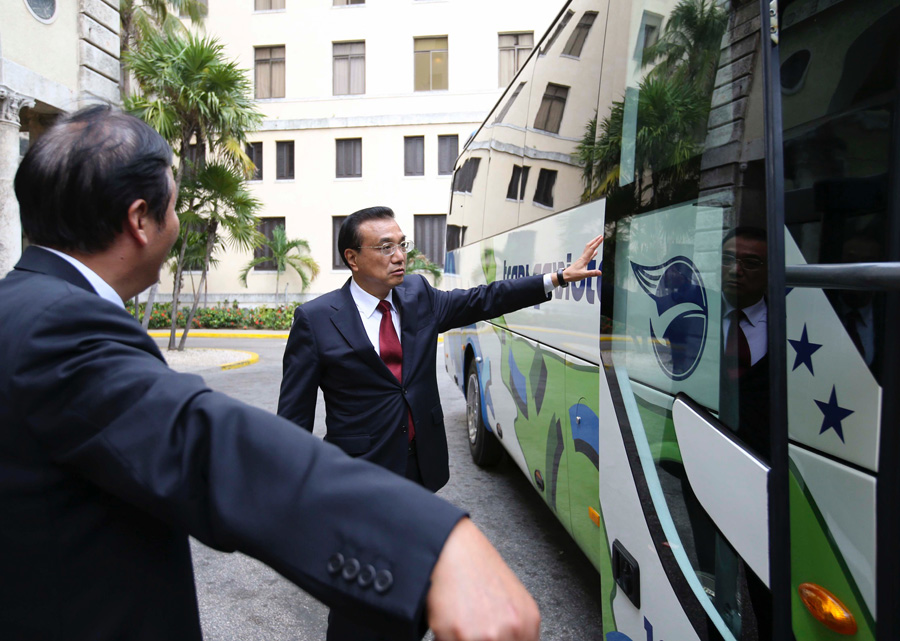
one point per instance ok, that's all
(35, 259)
(347, 321)
(409, 323)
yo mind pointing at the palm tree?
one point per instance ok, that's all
(284, 253)
(689, 46)
(139, 18)
(201, 103)
(416, 261)
(215, 200)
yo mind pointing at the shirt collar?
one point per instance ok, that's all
(755, 313)
(103, 289)
(365, 302)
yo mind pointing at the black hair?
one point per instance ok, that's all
(756, 233)
(348, 236)
(77, 182)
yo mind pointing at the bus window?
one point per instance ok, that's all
(562, 115)
(680, 161)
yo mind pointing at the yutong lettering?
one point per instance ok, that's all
(585, 290)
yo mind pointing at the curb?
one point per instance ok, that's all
(225, 334)
(252, 357)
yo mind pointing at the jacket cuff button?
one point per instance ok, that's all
(383, 581)
(335, 563)
(351, 569)
(366, 576)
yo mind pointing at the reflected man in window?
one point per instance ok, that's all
(744, 401)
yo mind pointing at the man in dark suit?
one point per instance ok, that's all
(371, 347)
(109, 459)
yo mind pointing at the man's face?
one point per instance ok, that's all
(744, 270)
(374, 272)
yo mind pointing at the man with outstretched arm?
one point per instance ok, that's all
(109, 459)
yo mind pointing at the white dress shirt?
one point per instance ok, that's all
(103, 289)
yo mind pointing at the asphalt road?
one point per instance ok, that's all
(243, 600)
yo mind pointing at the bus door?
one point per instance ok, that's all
(684, 473)
(838, 79)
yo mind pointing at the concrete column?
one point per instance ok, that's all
(11, 103)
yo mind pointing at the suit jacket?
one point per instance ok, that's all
(366, 407)
(109, 460)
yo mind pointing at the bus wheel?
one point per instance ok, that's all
(483, 445)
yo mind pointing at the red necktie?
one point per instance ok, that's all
(391, 351)
(737, 349)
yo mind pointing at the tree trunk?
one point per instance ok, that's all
(176, 290)
(210, 244)
(148, 310)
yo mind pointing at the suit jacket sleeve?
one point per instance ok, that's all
(301, 371)
(90, 387)
(461, 307)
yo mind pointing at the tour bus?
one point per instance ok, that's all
(715, 420)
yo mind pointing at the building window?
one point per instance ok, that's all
(509, 103)
(549, 116)
(514, 50)
(430, 231)
(336, 262)
(266, 227)
(284, 160)
(43, 10)
(448, 150)
(344, 3)
(517, 182)
(559, 29)
(576, 40)
(349, 68)
(543, 193)
(648, 35)
(414, 156)
(465, 176)
(268, 5)
(431, 64)
(254, 151)
(269, 76)
(349, 158)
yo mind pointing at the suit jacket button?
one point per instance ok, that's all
(383, 581)
(351, 569)
(366, 576)
(404, 391)
(335, 563)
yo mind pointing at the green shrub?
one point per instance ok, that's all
(230, 316)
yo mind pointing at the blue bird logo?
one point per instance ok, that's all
(682, 314)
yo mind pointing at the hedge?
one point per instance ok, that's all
(226, 317)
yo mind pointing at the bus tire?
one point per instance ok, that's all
(484, 447)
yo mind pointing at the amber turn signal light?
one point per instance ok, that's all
(827, 608)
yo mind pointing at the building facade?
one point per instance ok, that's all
(365, 103)
(55, 56)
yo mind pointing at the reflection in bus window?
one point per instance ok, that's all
(839, 101)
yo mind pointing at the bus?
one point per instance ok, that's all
(714, 420)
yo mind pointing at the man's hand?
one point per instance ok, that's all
(474, 596)
(578, 271)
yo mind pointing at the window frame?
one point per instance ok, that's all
(353, 157)
(254, 150)
(284, 160)
(543, 191)
(336, 262)
(445, 163)
(266, 226)
(554, 95)
(431, 53)
(575, 43)
(349, 57)
(418, 168)
(520, 54)
(268, 64)
(439, 243)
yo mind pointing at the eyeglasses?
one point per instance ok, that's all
(750, 264)
(388, 249)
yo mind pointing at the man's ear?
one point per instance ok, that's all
(137, 221)
(350, 255)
